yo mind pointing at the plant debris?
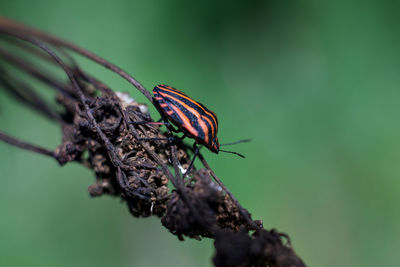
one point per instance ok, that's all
(103, 131)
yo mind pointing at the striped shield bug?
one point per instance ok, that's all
(190, 117)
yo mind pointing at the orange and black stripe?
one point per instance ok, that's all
(190, 116)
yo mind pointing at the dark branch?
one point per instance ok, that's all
(24, 145)
(132, 160)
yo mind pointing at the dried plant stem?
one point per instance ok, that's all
(55, 41)
(128, 159)
(26, 146)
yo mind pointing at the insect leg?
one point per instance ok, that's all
(196, 152)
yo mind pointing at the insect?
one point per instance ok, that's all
(190, 117)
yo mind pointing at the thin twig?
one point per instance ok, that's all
(34, 71)
(176, 181)
(6, 23)
(28, 96)
(27, 146)
(114, 157)
(242, 211)
(196, 203)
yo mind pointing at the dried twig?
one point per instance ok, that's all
(24, 145)
(98, 121)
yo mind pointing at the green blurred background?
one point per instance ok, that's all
(314, 84)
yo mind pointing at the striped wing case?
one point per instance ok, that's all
(190, 116)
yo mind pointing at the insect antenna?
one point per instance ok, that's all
(237, 142)
(226, 151)
(234, 143)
